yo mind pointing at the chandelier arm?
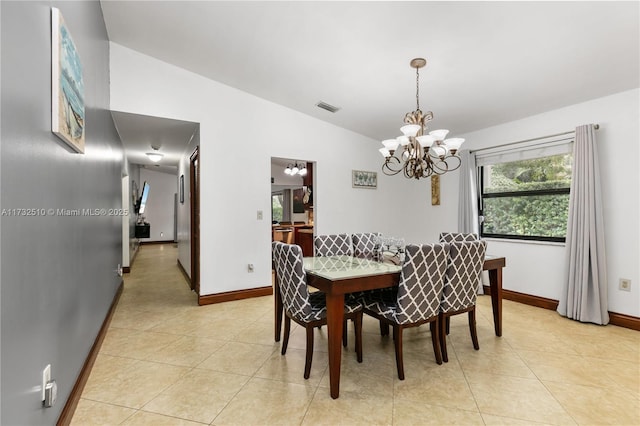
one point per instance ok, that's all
(457, 161)
(447, 164)
(387, 166)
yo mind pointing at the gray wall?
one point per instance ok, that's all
(57, 273)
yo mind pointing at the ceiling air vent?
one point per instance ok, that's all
(328, 107)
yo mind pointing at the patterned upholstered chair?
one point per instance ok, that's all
(299, 306)
(367, 246)
(460, 287)
(333, 245)
(418, 298)
(450, 237)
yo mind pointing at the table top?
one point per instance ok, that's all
(344, 267)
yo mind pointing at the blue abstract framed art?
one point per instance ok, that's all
(67, 86)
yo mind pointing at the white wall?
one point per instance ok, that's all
(238, 129)
(126, 199)
(232, 236)
(537, 269)
(159, 211)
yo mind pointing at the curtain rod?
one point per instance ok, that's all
(595, 126)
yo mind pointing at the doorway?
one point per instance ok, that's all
(194, 191)
(292, 202)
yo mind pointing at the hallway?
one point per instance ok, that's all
(166, 360)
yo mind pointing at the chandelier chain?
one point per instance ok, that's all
(417, 88)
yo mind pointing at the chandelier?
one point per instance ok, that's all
(422, 154)
(296, 169)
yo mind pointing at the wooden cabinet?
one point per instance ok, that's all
(304, 238)
(143, 230)
(307, 180)
(283, 234)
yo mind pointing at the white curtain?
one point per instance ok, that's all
(584, 296)
(468, 203)
(468, 194)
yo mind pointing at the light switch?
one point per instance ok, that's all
(259, 214)
(51, 393)
(46, 378)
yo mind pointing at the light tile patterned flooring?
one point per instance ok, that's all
(167, 361)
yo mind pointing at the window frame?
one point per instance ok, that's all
(538, 192)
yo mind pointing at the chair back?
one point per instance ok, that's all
(463, 273)
(333, 245)
(292, 280)
(450, 237)
(367, 246)
(421, 282)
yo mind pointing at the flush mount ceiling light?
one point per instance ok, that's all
(296, 169)
(423, 154)
(155, 156)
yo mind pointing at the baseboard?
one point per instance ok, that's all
(235, 295)
(70, 407)
(135, 253)
(527, 299)
(184, 272)
(148, 243)
(621, 320)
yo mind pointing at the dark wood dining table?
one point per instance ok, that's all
(340, 275)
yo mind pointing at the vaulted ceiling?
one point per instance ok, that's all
(488, 62)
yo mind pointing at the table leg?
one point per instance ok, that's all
(335, 317)
(278, 309)
(495, 281)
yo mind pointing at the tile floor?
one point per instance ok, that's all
(167, 361)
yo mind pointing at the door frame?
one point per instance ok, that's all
(194, 201)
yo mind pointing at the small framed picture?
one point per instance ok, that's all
(364, 179)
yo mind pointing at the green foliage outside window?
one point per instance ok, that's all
(276, 208)
(528, 198)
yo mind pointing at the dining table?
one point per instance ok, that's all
(340, 275)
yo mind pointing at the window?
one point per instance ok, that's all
(276, 207)
(526, 198)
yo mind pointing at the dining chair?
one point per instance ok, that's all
(460, 288)
(305, 309)
(333, 245)
(367, 245)
(450, 237)
(418, 298)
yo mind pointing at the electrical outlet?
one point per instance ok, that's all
(259, 214)
(46, 378)
(625, 284)
(250, 267)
